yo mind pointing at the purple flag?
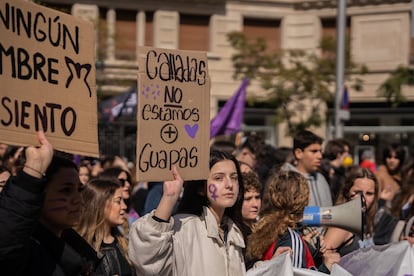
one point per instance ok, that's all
(345, 99)
(230, 117)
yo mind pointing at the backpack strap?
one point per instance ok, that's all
(398, 231)
(409, 227)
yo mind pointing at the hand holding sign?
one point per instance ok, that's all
(38, 158)
(171, 193)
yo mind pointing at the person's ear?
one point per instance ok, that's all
(298, 153)
(339, 155)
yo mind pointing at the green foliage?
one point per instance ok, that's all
(391, 87)
(297, 82)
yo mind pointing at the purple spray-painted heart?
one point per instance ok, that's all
(191, 130)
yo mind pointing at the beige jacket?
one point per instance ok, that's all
(186, 246)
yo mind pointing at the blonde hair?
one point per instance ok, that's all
(284, 201)
(96, 196)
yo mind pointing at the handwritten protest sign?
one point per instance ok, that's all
(173, 114)
(47, 78)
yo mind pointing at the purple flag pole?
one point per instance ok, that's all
(230, 117)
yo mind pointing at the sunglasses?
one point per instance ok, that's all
(123, 181)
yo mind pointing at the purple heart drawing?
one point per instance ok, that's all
(191, 130)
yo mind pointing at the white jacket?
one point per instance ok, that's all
(188, 245)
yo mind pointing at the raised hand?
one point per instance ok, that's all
(171, 193)
(173, 188)
(309, 237)
(38, 158)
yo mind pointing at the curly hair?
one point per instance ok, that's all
(285, 198)
(251, 182)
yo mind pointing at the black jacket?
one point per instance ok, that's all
(26, 247)
(114, 262)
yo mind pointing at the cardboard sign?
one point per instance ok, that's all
(173, 114)
(47, 78)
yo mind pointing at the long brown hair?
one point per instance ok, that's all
(285, 198)
(353, 174)
(407, 189)
(96, 195)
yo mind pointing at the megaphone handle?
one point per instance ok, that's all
(409, 226)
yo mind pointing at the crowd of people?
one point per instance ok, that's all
(69, 215)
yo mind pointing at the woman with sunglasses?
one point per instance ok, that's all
(123, 177)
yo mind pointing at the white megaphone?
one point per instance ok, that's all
(349, 216)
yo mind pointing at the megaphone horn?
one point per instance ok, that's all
(349, 216)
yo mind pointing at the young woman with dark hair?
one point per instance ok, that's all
(389, 174)
(205, 237)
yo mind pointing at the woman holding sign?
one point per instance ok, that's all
(38, 208)
(205, 237)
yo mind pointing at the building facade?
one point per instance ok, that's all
(380, 32)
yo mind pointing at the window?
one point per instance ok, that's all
(125, 35)
(194, 32)
(267, 29)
